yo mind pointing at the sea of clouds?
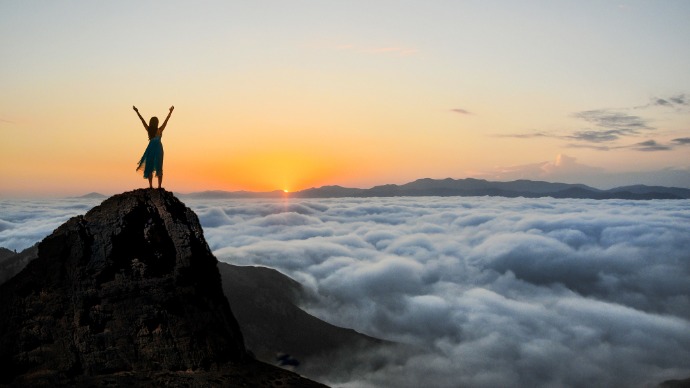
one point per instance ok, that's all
(484, 291)
(491, 291)
(25, 222)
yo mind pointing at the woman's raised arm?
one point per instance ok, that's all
(166, 119)
(140, 118)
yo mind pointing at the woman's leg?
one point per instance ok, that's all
(160, 180)
(150, 182)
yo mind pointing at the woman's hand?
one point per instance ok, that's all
(140, 118)
(162, 127)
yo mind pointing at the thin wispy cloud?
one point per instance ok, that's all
(461, 111)
(650, 145)
(681, 141)
(529, 135)
(607, 128)
(677, 101)
(680, 99)
(613, 120)
(589, 146)
(596, 136)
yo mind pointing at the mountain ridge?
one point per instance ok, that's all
(464, 188)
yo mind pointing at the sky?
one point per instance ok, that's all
(482, 291)
(287, 95)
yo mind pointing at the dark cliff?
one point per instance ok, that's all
(266, 304)
(128, 293)
(11, 263)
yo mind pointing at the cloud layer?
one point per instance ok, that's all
(485, 291)
(490, 291)
(26, 222)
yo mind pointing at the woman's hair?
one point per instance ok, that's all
(153, 127)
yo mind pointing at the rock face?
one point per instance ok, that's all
(265, 303)
(130, 291)
(11, 263)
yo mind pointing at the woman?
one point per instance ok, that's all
(153, 156)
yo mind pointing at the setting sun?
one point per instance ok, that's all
(276, 169)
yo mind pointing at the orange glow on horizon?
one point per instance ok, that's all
(265, 171)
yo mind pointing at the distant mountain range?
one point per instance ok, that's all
(93, 195)
(467, 188)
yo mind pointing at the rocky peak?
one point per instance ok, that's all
(130, 287)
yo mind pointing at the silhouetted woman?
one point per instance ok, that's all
(153, 156)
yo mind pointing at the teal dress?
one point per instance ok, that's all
(152, 160)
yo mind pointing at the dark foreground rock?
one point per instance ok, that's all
(675, 384)
(128, 294)
(266, 304)
(11, 263)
